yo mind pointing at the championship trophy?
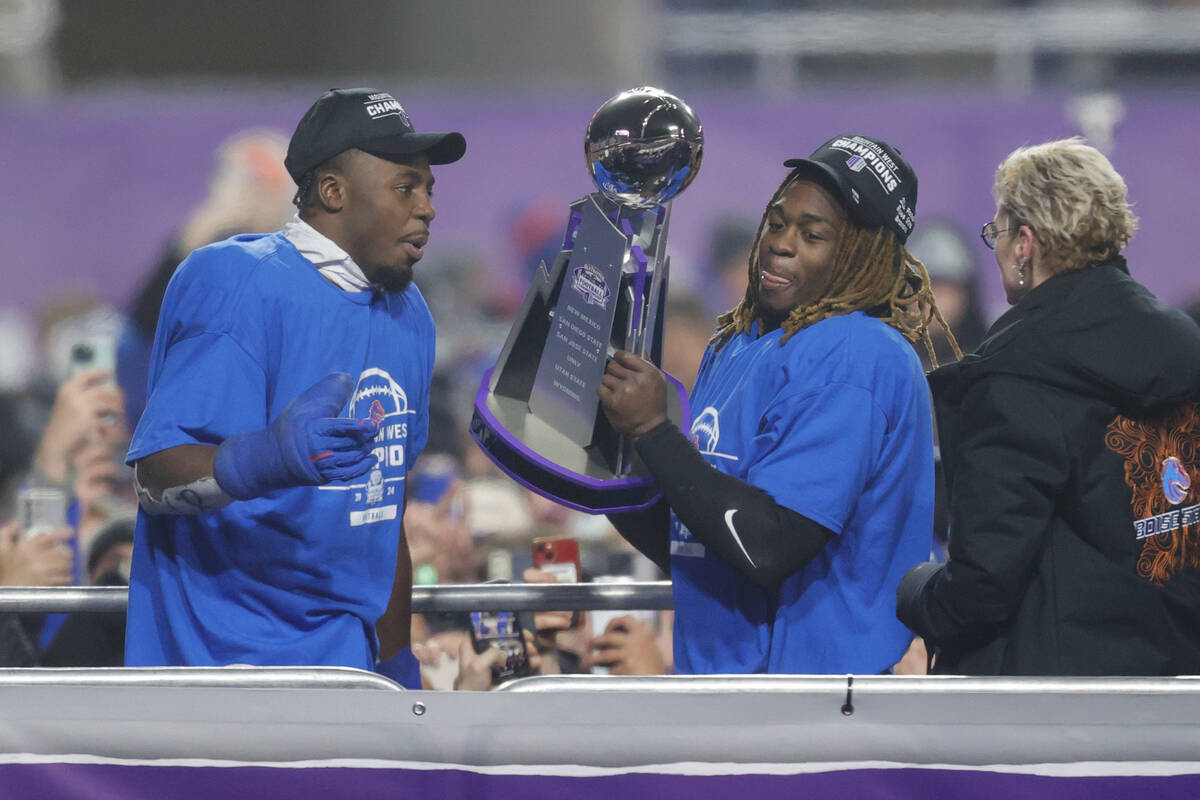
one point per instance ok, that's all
(537, 414)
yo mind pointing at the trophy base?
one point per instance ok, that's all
(545, 461)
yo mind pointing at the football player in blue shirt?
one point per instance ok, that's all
(288, 398)
(806, 486)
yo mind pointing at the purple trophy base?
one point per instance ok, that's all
(547, 462)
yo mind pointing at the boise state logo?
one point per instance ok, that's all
(1175, 480)
(376, 412)
(378, 396)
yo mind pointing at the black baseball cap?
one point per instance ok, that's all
(873, 181)
(368, 119)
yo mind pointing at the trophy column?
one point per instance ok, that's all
(537, 413)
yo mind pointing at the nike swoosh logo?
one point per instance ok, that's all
(729, 524)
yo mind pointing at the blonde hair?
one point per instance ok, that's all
(1072, 198)
(872, 271)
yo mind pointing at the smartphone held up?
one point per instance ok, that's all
(559, 556)
(41, 510)
(92, 353)
(503, 630)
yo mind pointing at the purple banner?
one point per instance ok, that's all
(105, 180)
(50, 781)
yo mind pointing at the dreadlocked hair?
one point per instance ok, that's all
(872, 271)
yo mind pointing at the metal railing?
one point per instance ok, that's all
(231, 677)
(466, 597)
(1180, 685)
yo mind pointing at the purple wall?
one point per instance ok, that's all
(95, 185)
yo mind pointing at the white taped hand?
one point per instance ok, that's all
(194, 498)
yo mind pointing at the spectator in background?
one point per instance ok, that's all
(75, 456)
(1071, 441)
(249, 191)
(17, 357)
(688, 328)
(86, 427)
(436, 528)
(729, 249)
(43, 560)
(449, 659)
(66, 320)
(944, 250)
(16, 447)
(572, 642)
(89, 638)
(953, 278)
(629, 646)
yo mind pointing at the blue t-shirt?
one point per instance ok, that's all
(298, 576)
(836, 425)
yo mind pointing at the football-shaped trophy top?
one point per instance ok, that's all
(643, 147)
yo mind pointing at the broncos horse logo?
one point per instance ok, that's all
(1175, 480)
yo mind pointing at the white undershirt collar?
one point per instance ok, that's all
(334, 264)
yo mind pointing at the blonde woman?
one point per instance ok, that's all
(1070, 442)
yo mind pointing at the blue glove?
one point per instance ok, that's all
(403, 668)
(306, 445)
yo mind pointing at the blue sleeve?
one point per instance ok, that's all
(207, 379)
(815, 451)
(207, 389)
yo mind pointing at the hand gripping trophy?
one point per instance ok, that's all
(537, 414)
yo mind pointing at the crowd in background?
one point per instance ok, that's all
(67, 425)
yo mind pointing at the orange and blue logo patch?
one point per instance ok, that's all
(1160, 455)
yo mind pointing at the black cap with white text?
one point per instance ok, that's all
(368, 119)
(873, 181)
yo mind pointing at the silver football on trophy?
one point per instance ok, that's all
(643, 147)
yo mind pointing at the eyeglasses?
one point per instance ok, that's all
(989, 232)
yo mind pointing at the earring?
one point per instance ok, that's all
(1020, 270)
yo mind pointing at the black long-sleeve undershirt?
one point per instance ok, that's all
(741, 523)
(647, 531)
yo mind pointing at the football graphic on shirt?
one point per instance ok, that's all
(706, 433)
(706, 430)
(377, 396)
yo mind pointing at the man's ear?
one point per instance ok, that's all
(331, 191)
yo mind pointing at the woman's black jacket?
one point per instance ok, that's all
(1071, 445)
